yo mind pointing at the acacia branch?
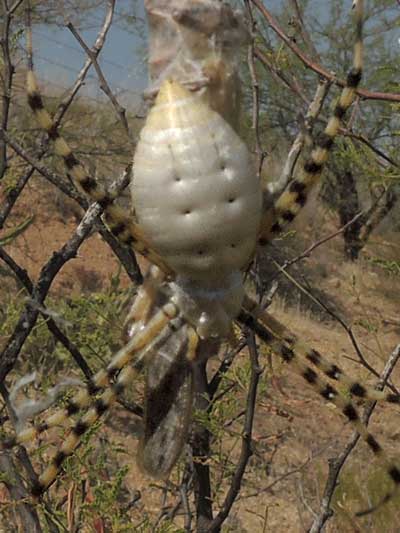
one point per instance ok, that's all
(121, 112)
(7, 74)
(29, 316)
(14, 193)
(336, 463)
(260, 153)
(124, 254)
(275, 188)
(362, 93)
(246, 449)
(95, 52)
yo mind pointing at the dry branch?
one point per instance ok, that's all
(336, 463)
(362, 93)
(246, 449)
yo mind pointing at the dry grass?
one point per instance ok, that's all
(295, 432)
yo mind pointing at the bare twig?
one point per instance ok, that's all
(29, 316)
(246, 450)
(275, 188)
(363, 93)
(282, 477)
(304, 33)
(336, 464)
(260, 153)
(317, 244)
(95, 51)
(121, 112)
(7, 74)
(124, 254)
(345, 326)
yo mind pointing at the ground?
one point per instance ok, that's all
(295, 432)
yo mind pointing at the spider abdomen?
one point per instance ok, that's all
(195, 192)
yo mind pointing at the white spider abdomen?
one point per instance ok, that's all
(195, 192)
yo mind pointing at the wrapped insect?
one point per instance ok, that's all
(197, 43)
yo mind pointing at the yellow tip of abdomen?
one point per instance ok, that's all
(171, 91)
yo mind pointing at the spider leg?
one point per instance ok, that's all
(331, 370)
(139, 315)
(124, 367)
(144, 303)
(118, 219)
(254, 317)
(294, 197)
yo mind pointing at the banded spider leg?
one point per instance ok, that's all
(298, 356)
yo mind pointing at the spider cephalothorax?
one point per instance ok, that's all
(199, 218)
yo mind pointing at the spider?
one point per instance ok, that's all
(199, 220)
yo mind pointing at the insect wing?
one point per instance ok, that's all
(168, 406)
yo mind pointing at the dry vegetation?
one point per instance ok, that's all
(295, 435)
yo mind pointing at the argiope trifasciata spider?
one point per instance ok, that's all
(199, 220)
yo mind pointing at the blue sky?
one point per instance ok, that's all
(58, 56)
